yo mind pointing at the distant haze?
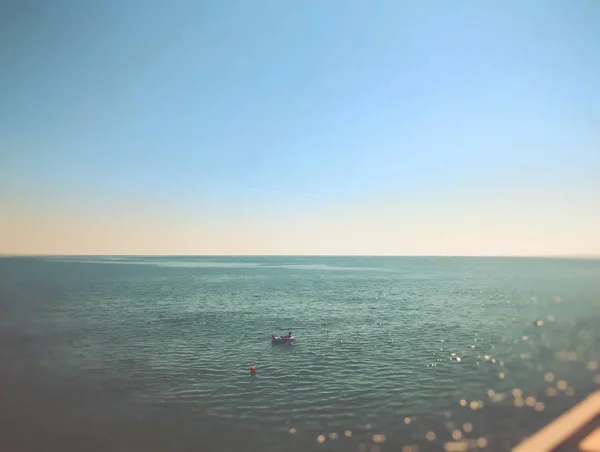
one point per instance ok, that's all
(385, 128)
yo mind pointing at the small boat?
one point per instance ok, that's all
(283, 340)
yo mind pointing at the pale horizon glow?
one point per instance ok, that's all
(271, 128)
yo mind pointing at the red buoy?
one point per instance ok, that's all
(252, 370)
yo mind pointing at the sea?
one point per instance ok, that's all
(391, 354)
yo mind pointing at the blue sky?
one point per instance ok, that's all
(217, 110)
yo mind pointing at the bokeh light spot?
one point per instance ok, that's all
(517, 393)
(410, 448)
(481, 442)
(539, 406)
(458, 446)
(379, 439)
(570, 391)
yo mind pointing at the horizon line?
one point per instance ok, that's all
(538, 256)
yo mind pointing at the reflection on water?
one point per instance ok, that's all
(413, 354)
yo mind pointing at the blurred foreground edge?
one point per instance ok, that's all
(579, 426)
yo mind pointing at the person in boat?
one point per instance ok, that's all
(285, 336)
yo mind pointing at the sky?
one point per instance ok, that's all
(274, 127)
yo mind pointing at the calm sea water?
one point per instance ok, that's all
(153, 354)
